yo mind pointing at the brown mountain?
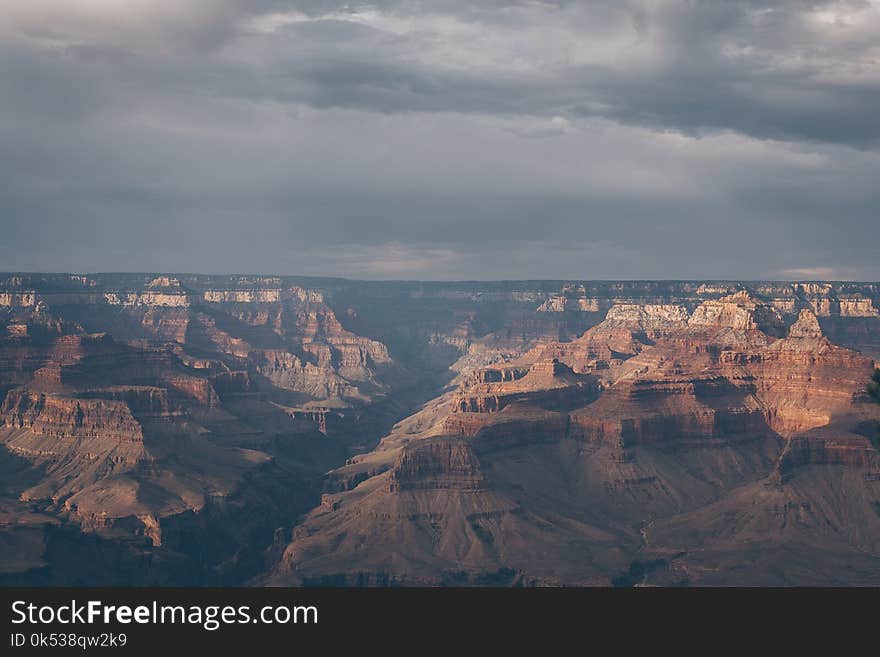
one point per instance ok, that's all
(182, 429)
(654, 438)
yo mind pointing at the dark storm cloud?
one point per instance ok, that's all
(765, 69)
(441, 139)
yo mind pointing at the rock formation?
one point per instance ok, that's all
(806, 326)
(163, 427)
(436, 464)
(653, 415)
(737, 311)
(136, 410)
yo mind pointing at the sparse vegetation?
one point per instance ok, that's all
(874, 386)
(637, 572)
(874, 391)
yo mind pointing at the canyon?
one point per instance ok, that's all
(266, 430)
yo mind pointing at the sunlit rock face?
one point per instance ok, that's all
(166, 426)
(657, 412)
(737, 311)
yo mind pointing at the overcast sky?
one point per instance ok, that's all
(444, 139)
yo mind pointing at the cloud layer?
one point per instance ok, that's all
(443, 139)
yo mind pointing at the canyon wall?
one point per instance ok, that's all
(266, 429)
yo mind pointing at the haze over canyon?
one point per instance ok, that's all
(263, 430)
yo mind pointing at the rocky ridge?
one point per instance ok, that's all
(695, 407)
(581, 424)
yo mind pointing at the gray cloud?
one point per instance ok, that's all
(441, 139)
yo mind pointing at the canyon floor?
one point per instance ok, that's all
(170, 429)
